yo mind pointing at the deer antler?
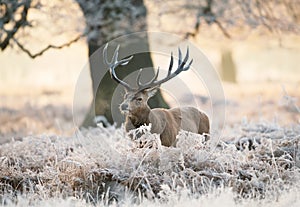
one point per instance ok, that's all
(115, 63)
(182, 66)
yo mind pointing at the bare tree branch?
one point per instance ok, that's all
(210, 17)
(102, 24)
(8, 12)
(224, 31)
(277, 16)
(34, 55)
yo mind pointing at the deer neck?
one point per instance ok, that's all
(140, 116)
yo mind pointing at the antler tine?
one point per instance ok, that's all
(105, 55)
(179, 57)
(180, 62)
(155, 77)
(186, 56)
(171, 64)
(115, 56)
(142, 86)
(182, 66)
(114, 63)
(139, 84)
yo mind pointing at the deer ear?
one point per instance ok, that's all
(151, 91)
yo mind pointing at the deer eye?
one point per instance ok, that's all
(139, 99)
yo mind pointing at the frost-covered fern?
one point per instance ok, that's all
(103, 165)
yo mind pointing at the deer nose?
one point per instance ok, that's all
(124, 106)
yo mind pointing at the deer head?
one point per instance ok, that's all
(135, 99)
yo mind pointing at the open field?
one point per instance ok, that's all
(51, 165)
(44, 161)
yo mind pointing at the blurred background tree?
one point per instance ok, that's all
(233, 19)
(104, 20)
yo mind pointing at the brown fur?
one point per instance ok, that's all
(166, 122)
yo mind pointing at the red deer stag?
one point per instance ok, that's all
(166, 122)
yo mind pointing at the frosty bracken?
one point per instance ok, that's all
(165, 122)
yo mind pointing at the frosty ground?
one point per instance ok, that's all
(45, 163)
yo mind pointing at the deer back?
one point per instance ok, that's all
(168, 123)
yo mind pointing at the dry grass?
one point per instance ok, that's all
(103, 166)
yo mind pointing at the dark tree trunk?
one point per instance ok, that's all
(100, 33)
